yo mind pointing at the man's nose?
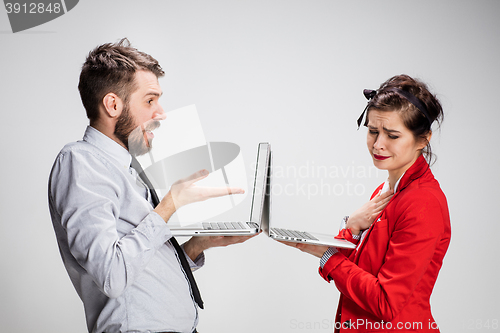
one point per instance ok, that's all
(159, 113)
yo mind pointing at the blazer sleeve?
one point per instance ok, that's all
(418, 229)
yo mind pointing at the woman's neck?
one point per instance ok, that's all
(393, 179)
(394, 175)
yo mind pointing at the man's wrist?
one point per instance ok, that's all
(166, 207)
(193, 248)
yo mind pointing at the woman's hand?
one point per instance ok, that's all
(315, 250)
(363, 218)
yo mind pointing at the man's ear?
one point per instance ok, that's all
(113, 105)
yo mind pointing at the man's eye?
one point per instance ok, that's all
(393, 137)
(150, 101)
(373, 132)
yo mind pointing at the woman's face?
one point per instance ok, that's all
(391, 145)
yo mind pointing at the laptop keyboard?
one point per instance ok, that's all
(294, 234)
(223, 225)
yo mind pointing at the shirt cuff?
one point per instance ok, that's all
(197, 263)
(332, 263)
(328, 253)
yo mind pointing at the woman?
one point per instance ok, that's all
(386, 282)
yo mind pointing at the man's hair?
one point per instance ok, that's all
(111, 67)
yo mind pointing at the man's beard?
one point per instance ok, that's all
(124, 125)
(134, 137)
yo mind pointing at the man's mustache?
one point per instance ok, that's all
(152, 125)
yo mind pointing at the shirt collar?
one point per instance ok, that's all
(119, 155)
(417, 170)
(385, 188)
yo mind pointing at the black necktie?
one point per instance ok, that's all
(180, 253)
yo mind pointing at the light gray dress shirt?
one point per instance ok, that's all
(113, 245)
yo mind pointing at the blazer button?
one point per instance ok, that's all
(347, 324)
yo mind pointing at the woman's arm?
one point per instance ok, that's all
(418, 231)
(363, 218)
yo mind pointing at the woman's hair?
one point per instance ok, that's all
(391, 97)
(111, 68)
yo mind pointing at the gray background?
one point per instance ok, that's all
(287, 72)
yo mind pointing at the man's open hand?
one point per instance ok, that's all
(196, 245)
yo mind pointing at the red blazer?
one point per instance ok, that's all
(387, 281)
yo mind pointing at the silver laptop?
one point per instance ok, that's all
(295, 235)
(248, 226)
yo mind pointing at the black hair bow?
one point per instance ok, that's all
(369, 94)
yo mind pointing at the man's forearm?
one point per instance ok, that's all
(166, 208)
(193, 248)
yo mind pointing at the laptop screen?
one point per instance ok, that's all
(259, 189)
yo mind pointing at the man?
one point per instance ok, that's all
(117, 249)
